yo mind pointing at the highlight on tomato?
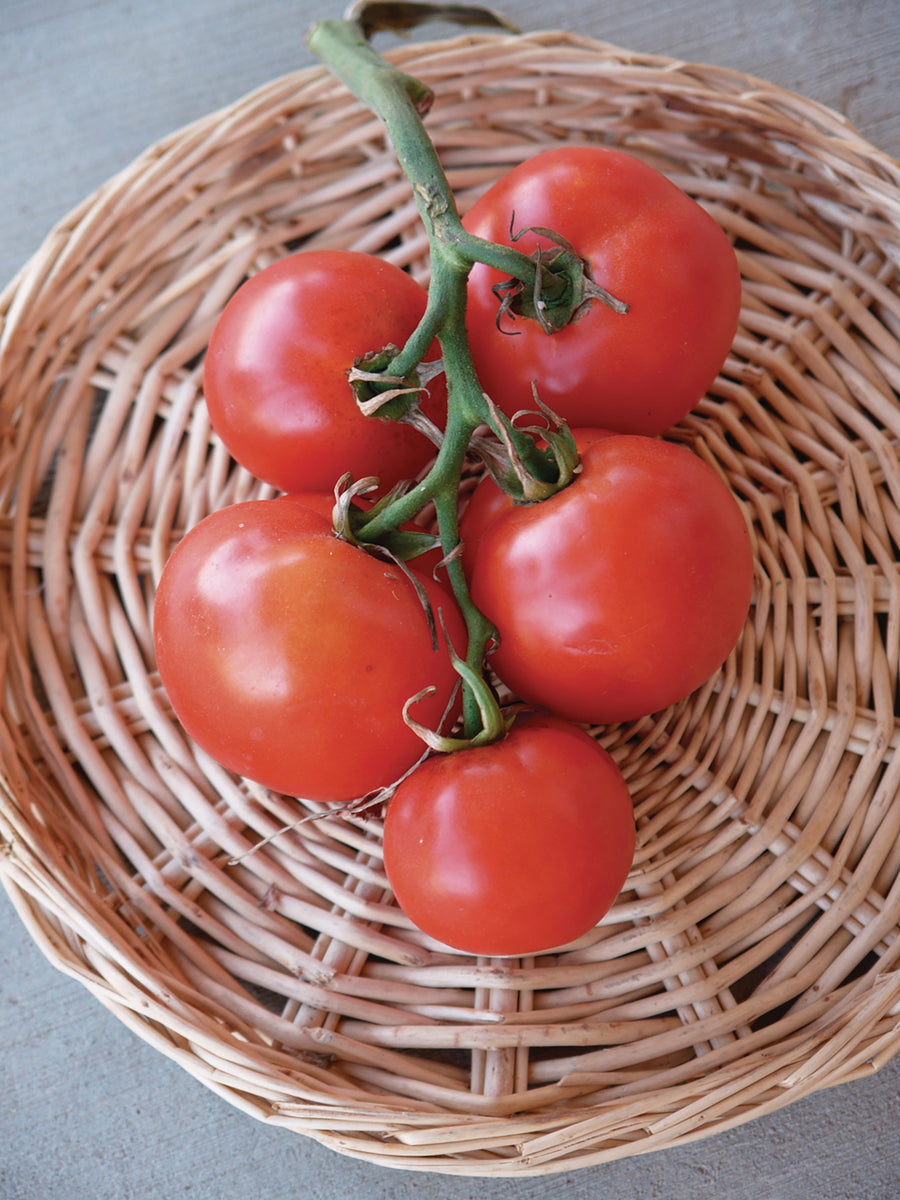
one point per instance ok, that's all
(275, 375)
(288, 654)
(515, 847)
(622, 593)
(646, 242)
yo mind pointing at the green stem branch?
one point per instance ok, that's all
(400, 102)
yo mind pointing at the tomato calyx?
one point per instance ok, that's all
(392, 397)
(563, 289)
(537, 474)
(349, 520)
(495, 720)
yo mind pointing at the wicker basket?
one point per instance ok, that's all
(753, 956)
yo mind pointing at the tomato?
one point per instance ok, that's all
(275, 373)
(622, 593)
(288, 654)
(515, 847)
(488, 501)
(652, 247)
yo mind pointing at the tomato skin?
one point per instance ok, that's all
(287, 653)
(275, 373)
(651, 246)
(513, 848)
(622, 593)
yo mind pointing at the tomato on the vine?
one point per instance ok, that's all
(515, 847)
(622, 593)
(275, 374)
(288, 654)
(647, 243)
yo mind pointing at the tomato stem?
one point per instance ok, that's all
(400, 102)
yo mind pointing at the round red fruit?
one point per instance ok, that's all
(515, 847)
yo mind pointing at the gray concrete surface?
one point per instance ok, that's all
(89, 1112)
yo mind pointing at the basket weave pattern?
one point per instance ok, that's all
(753, 956)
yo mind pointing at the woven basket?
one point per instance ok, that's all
(754, 955)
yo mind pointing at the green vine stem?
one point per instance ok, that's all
(401, 102)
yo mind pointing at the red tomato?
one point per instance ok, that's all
(622, 593)
(488, 501)
(288, 654)
(516, 847)
(275, 375)
(651, 246)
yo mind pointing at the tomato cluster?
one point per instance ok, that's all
(302, 655)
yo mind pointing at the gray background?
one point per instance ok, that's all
(87, 1110)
